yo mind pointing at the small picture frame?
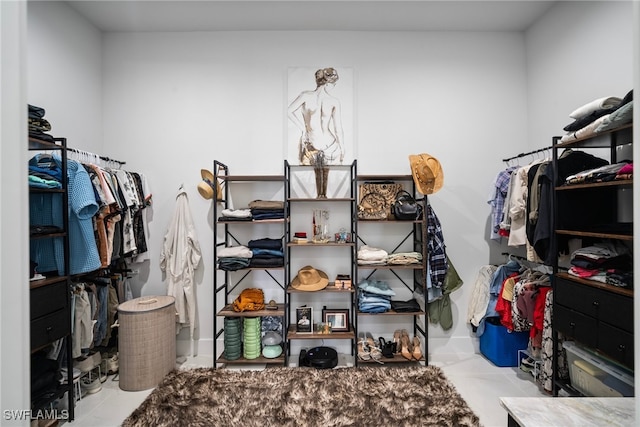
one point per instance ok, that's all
(337, 318)
(304, 320)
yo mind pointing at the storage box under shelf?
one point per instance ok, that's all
(501, 346)
(594, 376)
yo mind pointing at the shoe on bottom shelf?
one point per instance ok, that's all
(90, 384)
(528, 364)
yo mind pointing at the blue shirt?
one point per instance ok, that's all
(46, 209)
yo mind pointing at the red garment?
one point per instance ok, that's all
(503, 306)
(538, 312)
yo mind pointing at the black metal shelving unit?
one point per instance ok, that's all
(50, 298)
(417, 235)
(597, 315)
(348, 201)
(227, 282)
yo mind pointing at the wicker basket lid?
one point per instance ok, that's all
(146, 304)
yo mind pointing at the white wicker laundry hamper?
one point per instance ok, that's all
(146, 341)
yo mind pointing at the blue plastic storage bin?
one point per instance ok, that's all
(501, 346)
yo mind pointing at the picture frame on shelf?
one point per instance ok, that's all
(337, 318)
(304, 320)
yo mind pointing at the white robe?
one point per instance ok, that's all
(179, 258)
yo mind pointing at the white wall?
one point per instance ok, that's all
(14, 214)
(176, 101)
(64, 73)
(577, 52)
(173, 102)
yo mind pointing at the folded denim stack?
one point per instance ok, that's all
(266, 252)
(266, 209)
(232, 338)
(251, 335)
(233, 258)
(374, 296)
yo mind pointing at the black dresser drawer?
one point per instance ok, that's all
(48, 299)
(576, 325)
(600, 304)
(616, 343)
(49, 328)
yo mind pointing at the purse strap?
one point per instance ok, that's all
(405, 195)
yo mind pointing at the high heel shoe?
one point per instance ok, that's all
(405, 345)
(363, 349)
(396, 341)
(417, 350)
(374, 350)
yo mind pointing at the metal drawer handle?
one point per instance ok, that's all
(622, 347)
(596, 304)
(572, 325)
(49, 328)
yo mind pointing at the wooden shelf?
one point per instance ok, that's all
(391, 267)
(593, 141)
(258, 360)
(291, 244)
(597, 235)
(227, 311)
(605, 286)
(249, 178)
(392, 220)
(38, 144)
(385, 177)
(293, 335)
(253, 222)
(592, 185)
(393, 313)
(327, 199)
(330, 288)
(397, 358)
(33, 284)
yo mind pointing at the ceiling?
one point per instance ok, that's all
(293, 15)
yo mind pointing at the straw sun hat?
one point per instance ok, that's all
(205, 187)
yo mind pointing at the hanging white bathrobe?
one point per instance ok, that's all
(179, 258)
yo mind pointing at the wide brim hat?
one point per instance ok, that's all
(427, 173)
(205, 187)
(310, 279)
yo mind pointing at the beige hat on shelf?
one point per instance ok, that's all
(310, 279)
(427, 173)
(205, 187)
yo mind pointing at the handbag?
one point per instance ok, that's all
(405, 207)
(372, 206)
(384, 196)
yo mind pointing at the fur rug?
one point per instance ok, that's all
(374, 396)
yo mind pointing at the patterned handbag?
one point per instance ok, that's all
(376, 199)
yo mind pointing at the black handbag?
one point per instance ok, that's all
(406, 207)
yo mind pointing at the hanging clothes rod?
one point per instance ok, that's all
(106, 159)
(526, 154)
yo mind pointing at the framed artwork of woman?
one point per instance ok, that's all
(320, 120)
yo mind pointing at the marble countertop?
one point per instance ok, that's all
(571, 411)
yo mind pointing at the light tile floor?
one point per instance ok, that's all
(477, 380)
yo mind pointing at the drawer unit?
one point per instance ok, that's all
(49, 328)
(595, 318)
(576, 325)
(49, 299)
(616, 343)
(616, 309)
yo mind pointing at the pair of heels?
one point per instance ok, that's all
(410, 350)
(368, 349)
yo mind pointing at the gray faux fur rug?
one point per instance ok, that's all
(363, 396)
